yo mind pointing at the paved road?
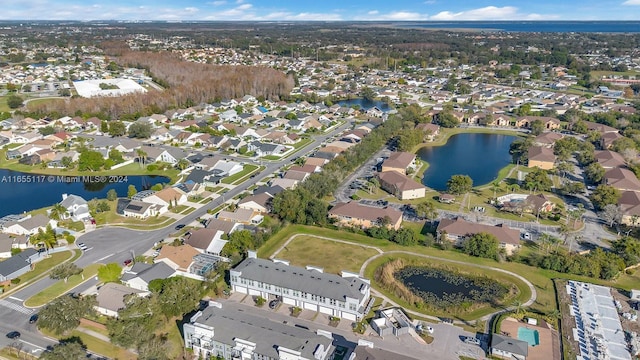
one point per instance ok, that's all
(115, 244)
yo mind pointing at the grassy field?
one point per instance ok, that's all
(45, 265)
(40, 101)
(597, 74)
(61, 287)
(111, 217)
(94, 344)
(4, 107)
(541, 279)
(246, 171)
(330, 255)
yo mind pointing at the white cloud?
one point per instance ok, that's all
(631, 2)
(373, 12)
(392, 16)
(490, 13)
(430, 2)
(218, 3)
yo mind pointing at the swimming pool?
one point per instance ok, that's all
(529, 335)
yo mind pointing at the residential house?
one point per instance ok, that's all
(77, 207)
(601, 128)
(166, 155)
(265, 149)
(509, 348)
(431, 130)
(142, 210)
(209, 240)
(622, 179)
(232, 333)
(458, 230)
(242, 216)
(260, 203)
(541, 157)
(629, 204)
(179, 258)
(18, 264)
(609, 159)
(344, 296)
(296, 175)
(399, 162)
(314, 161)
(28, 225)
(355, 214)
(6, 244)
(540, 203)
(547, 139)
(401, 186)
(284, 183)
(141, 274)
(167, 197)
(608, 138)
(111, 298)
(203, 177)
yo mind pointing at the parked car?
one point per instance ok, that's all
(179, 226)
(33, 318)
(13, 335)
(127, 262)
(472, 340)
(273, 304)
(82, 246)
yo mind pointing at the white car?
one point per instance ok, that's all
(526, 236)
(82, 246)
(472, 340)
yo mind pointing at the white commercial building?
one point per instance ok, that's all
(111, 87)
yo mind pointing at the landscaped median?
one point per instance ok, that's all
(61, 287)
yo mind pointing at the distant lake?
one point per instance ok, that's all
(17, 195)
(365, 104)
(480, 156)
(534, 26)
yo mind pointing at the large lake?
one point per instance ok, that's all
(480, 156)
(365, 104)
(21, 192)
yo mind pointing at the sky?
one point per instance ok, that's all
(316, 10)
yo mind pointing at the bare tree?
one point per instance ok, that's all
(611, 213)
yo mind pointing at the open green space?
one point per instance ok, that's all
(246, 171)
(40, 101)
(598, 74)
(112, 217)
(61, 287)
(42, 266)
(332, 256)
(302, 143)
(94, 344)
(4, 107)
(271, 157)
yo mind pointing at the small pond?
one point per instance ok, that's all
(365, 104)
(442, 288)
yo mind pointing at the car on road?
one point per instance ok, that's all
(82, 246)
(179, 226)
(13, 335)
(526, 236)
(273, 304)
(127, 262)
(33, 318)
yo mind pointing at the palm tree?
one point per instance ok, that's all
(58, 212)
(373, 184)
(496, 186)
(47, 239)
(517, 304)
(142, 156)
(182, 164)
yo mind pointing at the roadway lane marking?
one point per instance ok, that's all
(16, 307)
(88, 249)
(15, 298)
(102, 258)
(34, 345)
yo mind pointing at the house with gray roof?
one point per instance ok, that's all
(346, 296)
(232, 333)
(265, 149)
(509, 348)
(140, 275)
(111, 298)
(77, 207)
(28, 225)
(18, 264)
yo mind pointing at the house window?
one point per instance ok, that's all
(332, 302)
(243, 281)
(352, 307)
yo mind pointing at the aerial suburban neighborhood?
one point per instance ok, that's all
(231, 190)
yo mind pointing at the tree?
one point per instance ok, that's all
(117, 128)
(179, 296)
(594, 173)
(182, 164)
(405, 237)
(537, 127)
(142, 156)
(112, 194)
(109, 272)
(131, 190)
(14, 101)
(140, 130)
(65, 271)
(104, 126)
(64, 313)
(426, 210)
(537, 180)
(90, 160)
(604, 195)
(482, 245)
(58, 212)
(155, 347)
(447, 120)
(611, 213)
(47, 130)
(70, 350)
(46, 238)
(368, 93)
(459, 184)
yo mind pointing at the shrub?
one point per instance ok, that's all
(260, 301)
(152, 167)
(15, 281)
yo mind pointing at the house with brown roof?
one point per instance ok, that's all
(540, 203)
(601, 128)
(111, 298)
(209, 240)
(430, 130)
(547, 139)
(458, 230)
(260, 203)
(401, 186)
(622, 179)
(629, 204)
(179, 258)
(242, 216)
(609, 159)
(607, 139)
(541, 157)
(167, 197)
(355, 214)
(399, 162)
(549, 123)
(314, 161)
(296, 175)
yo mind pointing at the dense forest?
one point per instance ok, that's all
(186, 83)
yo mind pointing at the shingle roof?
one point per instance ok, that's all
(461, 227)
(355, 210)
(399, 160)
(111, 296)
(539, 153)
(508, 344)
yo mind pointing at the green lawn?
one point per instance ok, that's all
(95, 345)
(178, 209)
(61, 287)
(111, 217)
(3, 104)
(239, 177)
(45, 265)
(302, 143)
(271, 157)
(332, 256)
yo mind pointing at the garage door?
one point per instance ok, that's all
(289, 301)
(240, 289)
(254, 292)
(348, 316)
(326, 310)
(313, 307)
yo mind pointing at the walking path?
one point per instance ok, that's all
(385, 299)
